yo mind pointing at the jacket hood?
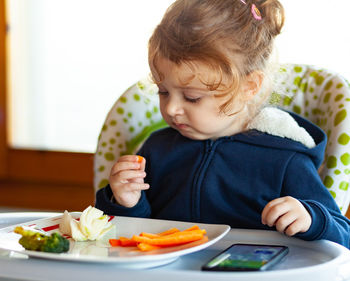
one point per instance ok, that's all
(279, 129)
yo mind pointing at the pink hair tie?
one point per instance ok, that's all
(256, 13)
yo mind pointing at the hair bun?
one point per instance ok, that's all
(273, 15)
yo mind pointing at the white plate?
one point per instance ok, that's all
(102, 252)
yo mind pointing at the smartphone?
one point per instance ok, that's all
(247, 257)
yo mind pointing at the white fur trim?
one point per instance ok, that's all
(279, 123)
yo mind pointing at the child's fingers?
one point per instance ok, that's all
(272, 212)
(275, 202)
(127, 162)
(267, 209)
(123, 166)
(127, 175)
(139, 180)
(271, 205)
(129, 158)
(134, 186)
(134, 158)
(283, 222)
(294, 228)
(287, 214)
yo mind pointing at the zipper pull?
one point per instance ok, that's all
(209, 145)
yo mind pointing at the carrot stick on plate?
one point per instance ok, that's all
(149, 235)
(115, 242)
(147, 247)
(171, 237)
(127, 242)
(195, 227)
(169, 231)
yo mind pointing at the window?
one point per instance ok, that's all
(70, 60)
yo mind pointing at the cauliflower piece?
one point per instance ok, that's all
(64, 226)
(92, 225)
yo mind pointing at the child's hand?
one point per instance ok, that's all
(287, 214)
(127, 179)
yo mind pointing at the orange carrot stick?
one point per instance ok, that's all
(144, 247)
(127, 242)
(139, 158)
(172, 239)
(169, 231)
(149, 235)
(195, 227)
(186, 232)
(114, 242)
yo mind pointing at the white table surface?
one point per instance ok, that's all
(317, 260)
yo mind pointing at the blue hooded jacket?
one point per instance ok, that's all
(231, 179)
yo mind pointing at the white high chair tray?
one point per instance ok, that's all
(317, 260)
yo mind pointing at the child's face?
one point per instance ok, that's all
(188, 106)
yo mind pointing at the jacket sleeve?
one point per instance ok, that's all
(104, 203)
(303, 183)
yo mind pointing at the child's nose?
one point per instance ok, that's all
(174, 106)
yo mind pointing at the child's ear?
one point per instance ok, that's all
(252, 84)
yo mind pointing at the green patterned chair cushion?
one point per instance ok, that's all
(323, 97)
(319, 95)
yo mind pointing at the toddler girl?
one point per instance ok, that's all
(226, 157)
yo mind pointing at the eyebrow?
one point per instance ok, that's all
(194, 88)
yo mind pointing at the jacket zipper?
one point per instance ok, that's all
(197, 182)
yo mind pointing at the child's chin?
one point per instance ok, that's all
(193, 136)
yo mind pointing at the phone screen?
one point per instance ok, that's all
(247, 257)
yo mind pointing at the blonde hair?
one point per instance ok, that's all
(223, 34)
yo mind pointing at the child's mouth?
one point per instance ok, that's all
(180, 126)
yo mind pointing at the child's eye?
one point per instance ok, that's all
(192, 100)
(164, 93)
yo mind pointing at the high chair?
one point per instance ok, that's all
(317, 94)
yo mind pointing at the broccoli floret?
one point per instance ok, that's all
(35, 241)
(55, 243)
